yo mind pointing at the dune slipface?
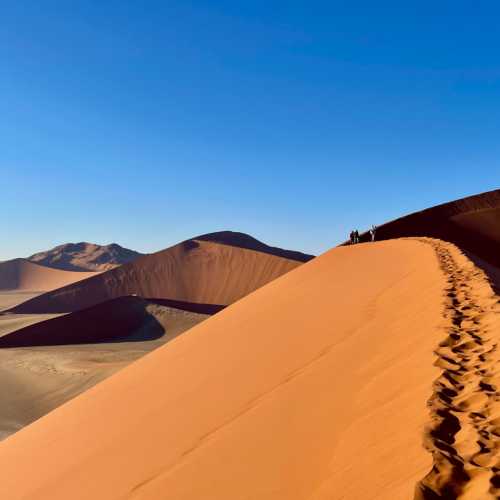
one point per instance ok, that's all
(20, 274)
(313, 387)
(195, 271)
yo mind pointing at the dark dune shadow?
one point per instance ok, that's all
(124, 319)
(194, 307)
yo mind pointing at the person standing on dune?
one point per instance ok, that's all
(356, 236)
(372, 232)
(351, 236)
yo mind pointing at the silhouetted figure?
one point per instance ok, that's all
(373, 230)
(356, 236)
(351, 236)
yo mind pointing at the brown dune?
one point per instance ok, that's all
(20, 274)
(195, 271)
(471, 223)
(85, 257)
(313, 387)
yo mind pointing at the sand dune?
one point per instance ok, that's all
(471, 223)
(85, 257)
(20, 274)
(313, 387)
(196, 271)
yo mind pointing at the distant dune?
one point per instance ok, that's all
(85, 257)
(20, 274)
(202, 270)
(243, 240)
(472, 223)
(313, 387)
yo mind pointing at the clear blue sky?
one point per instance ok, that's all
(145, 123)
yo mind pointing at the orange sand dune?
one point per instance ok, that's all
(20, 274)
(196, 271)
(313, 387)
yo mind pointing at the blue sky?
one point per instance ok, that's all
(145, 123)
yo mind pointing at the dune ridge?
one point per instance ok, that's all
(464, 434)
(294, 392)
(23, 275)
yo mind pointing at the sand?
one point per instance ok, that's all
(12, 322)
(36, 380)
(313, 387)
(194, 271)
(20, 275)
(464, 431)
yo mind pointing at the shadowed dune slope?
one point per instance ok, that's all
(472, 223)
(113, 320)
(85, 256)
(312, 387)
(194, 271)
(20, 274)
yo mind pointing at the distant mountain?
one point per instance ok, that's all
(85, 257)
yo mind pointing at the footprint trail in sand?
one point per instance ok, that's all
(464, 432)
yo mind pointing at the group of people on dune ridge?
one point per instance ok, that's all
(354, 236)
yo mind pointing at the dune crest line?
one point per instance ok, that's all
(464, 432)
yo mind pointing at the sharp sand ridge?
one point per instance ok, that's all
(464, 432)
